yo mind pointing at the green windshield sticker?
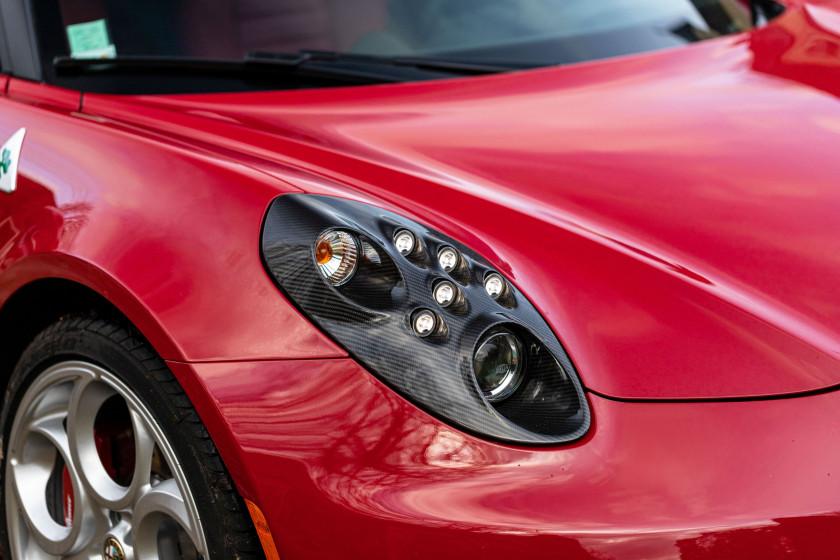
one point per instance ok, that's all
(90, 40)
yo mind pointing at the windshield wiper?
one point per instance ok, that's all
(344, 67)
(460, 67)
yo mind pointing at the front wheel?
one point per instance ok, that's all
(104, 456)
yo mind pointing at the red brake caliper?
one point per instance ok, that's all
(67, 497)
(103, 447)
(107, 437)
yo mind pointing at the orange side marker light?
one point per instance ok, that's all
(263, 531)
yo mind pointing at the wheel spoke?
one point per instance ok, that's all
(81, 419)
(29, 492)
(51, 426)
(33, 551)
(91, 551)
(162, 502)
(45, 440)
(144, 448)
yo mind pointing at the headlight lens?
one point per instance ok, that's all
(497, 364)
(449, 259)
(336, 254)
(495, 285)
(425, 323)
(405, 242)
(428, 316)
(446, 294)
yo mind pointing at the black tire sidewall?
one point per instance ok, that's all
(130, 359)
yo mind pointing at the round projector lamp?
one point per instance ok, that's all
(498, 364)
(405, 242)
(424, 323)
(445, 293)
(449, 259)
(495, 285)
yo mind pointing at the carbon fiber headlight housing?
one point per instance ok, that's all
(422, 340)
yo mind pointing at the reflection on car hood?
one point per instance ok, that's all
(675, 216)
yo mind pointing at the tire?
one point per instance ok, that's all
(105, 457)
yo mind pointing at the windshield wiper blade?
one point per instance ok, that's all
(460, 67)
(343, 67)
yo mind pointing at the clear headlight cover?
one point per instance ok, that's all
(423, 320)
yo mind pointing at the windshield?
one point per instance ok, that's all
(548, 31)
(502, 33)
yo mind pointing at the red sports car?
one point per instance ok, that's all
(440, 279)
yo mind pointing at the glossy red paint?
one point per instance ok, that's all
(585, 185)
(44, 95)
(674, 219)
(348, 458)
(80, 214)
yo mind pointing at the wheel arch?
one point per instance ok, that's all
(41, 289)
(35, 306)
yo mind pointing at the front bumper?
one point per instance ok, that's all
(342, 467)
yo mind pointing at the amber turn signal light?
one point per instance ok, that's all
(264, 533)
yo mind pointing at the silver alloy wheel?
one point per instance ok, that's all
(151, 514)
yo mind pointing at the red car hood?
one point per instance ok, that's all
(675, 216)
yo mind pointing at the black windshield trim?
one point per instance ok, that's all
(338, 68)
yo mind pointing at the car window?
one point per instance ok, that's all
(550, 31)
(494, 34)
(230, 28)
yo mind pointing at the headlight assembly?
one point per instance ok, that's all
(428, 316)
